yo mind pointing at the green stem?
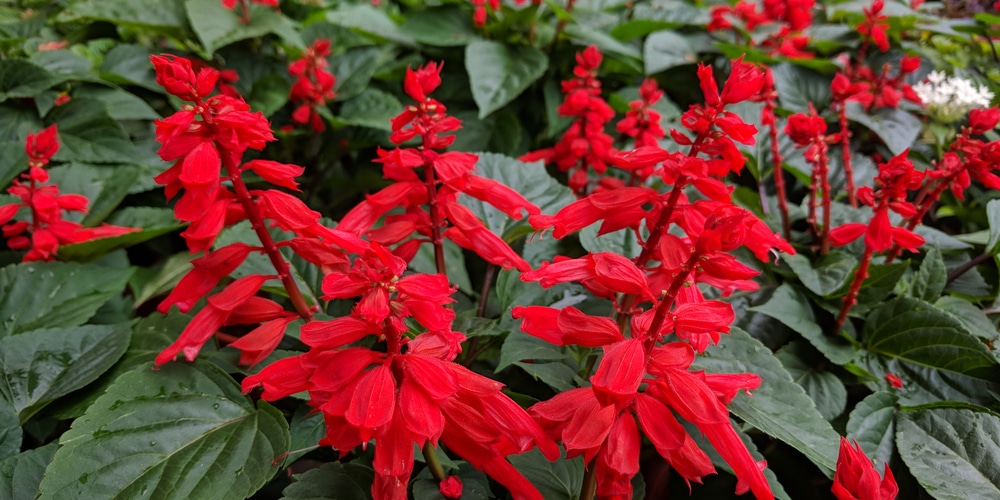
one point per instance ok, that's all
(589, 488)
(430, 456)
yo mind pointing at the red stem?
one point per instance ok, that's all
(824, 169)
(845, 149)
(432, 207)
(852, 296)
(779, 180)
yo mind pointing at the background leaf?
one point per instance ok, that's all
(872, 425)
(498, 73)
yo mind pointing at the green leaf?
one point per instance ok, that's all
(54, 294)
(306, 429)
(149, 282)
(519, 346)
(129, 65)
(153, 222)
(929, 281)
(791, 307)
(10, 430)
(185, 431)
(65, 65)
(825, 388)
(666, 49)
(720, 463)
(972, 317)
(897, 128)
(922, 384)
(993, 216)
(21, 473)
(675, 14)
(952, 452)
(20, 78)
(88, 134)
(881, 281)
(354, 69)
(624, 53)
(369, 20)
(44, 365)
(329, 481)
(829, 275)
(622, 242)
(371, 108)
(270, 92)
(446, 26)
(872, 425)
(261, 264)
(454, 260)
(559, 480)
(120, 104)
(498, 73)
(916, 331)
(531, 180)
(13, 160)
(556, 375)
(104, 186)
(798, 87)
(475, 484)
(217, 26)
(779, 407)
(156, 14)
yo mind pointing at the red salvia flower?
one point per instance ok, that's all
(313, 85)
(857, 479)
(873, 28)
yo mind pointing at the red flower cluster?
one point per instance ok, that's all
(203, 139)
(584, 145)
(791, 17)
(313, 84)
(809, 131)
(429, 204)
(873, 28)
(862, 85)
(857, 479)
(44, 230)
(409, 392)
(642, 123)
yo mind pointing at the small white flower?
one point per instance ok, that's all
(949, 99)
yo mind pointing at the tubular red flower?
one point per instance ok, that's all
(857, 479)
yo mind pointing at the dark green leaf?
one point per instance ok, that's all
(675, 13)
(330, 481)
(153, 222)
(993, 216)
(129, 64)
(54, 294)
(185, 431)
(624, 53)
(354, 69)
(881, 281)
(10, 430)
(13, 160)
(120, 104)
(666, 49)
(44, 365)
(529, 179)
(261, 264)
(952, 452)
(88, 134)
(65, 65)
(798, 87)
(519, 346)
(20, 78)
(825, 388)
(371, 108)
(158, 14)
(779, 407)
(972, 317)
(454, 260)
(929, 281)
(498, 73)
(827, 276)
(446, 26)
(270, 92)
(917, 332)
(306, 429)
(217, 26)
(622, 242)
(559, 480)
(21, 473)
(922, 384)
(897, 128)
(105, 186)
(368, 19)
(556, 375)
(719, 462)
(791, 307)
(872, 425)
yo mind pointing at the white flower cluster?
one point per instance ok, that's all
(949, 99)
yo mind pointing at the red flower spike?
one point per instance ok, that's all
(256, 310)
(470, 233)
(857, 479)
(621, 371)
(261, 341)
(195, 334)
(745, 81)
(41, 147)
(894, 381)
(208, 271)
(373, 403)
(281, 174)
(238, 292)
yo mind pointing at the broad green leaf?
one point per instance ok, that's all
(454, 260)
(511, 291)
(529, 179)
(498, 73)
(916, 331)
(798, 87)
(897, 128)
(21, 473)
(369, 20)
(929, 281)
(306, 429)
(559, 480)
(719, 462)
(329, 481)
(622, 242)
(217, 26)
(153, 222)
(623, 53)
(371, 108)
(156, 14)
(872, 425)
(881, 281)
(791, 307)
(354, 69)
(148, 282)
(779, 407)
(87, 133)
(260, 264)
(54, 294)
(129, 65)
(676, 14)
(270, 92)
(13, 160)
(65, 66)
(556, 375)
(446, 26)
(666, 49)
(105, 186)
(923, 384)
(825, 277)
(993, 216)
(10, 429)
(185, 431)
(519, 346)
(20, 78)
(44, 365)
(825, 388)
(952, 452)
(972, 317)
(120, 104)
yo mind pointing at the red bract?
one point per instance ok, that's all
(429, 198)
(857, 479)
(874, 27)
(45, 230)
(313, 84)
(584, 145)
